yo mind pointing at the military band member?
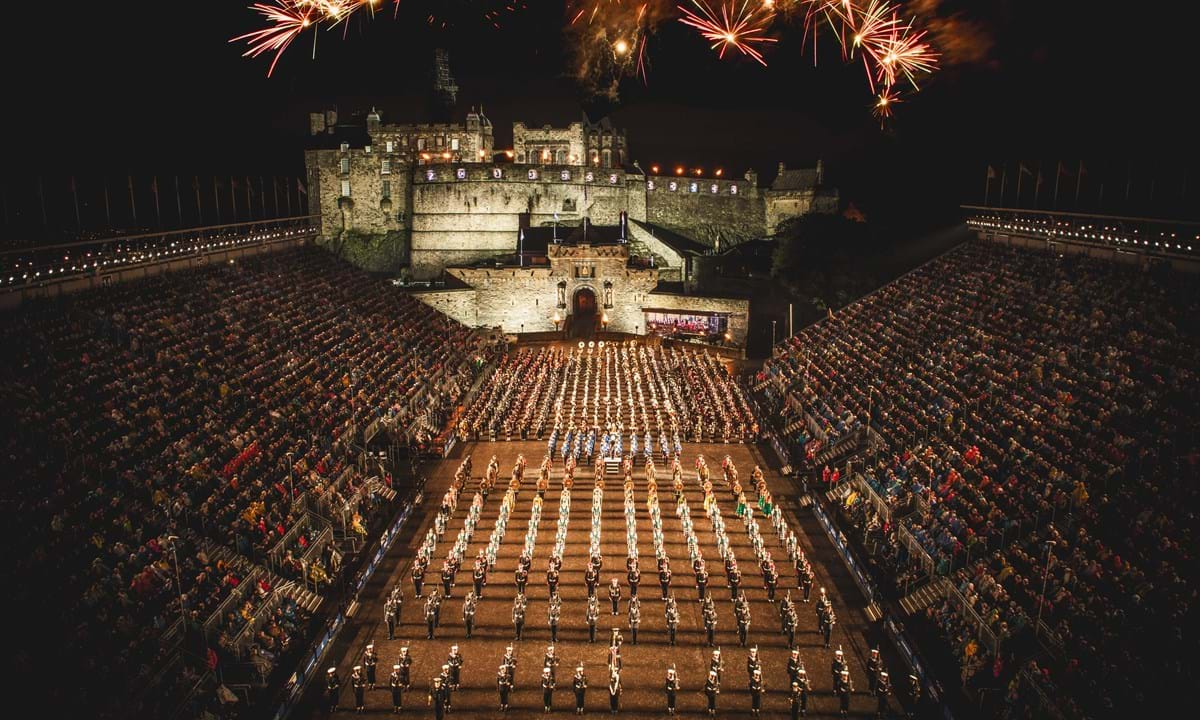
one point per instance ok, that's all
(806, 579)
(504, 685)
(418, 576)
(805, 687)
(671, 610)
(756, 692)
(634, 576)
(518, 614)
(479, 575)
(838, 664)
(439, 698)
(579, 685)
(522, 576)
(843, 688)
(664, 579)
(591, 577)
(431, 614)
(359, 683)
(397, 687)
(741, 611)
(614, 690)
(333, 686)
(770, 578)
(712, 688)
(455, 661)
(593, 615)
(702, 582)
(469, 605)
(447, 579)
(552, 579)
(710, 620)
(827, 621)
(391, 615)
(614, 594)
(370, 660)
(794, 664)
(405, 661)
(635, 617)
(790, 623)
(550, 661)
(753, 662)
(553, 614)
(883, 688)
(734, 579)
(547, 689)
(614, 655)
(671, 688)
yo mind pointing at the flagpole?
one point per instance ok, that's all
(75, 197)
(132, 201)
(178, 203)
(107, 210)
(262, 197)
(217, 199)
(1078, 184)
(1057, 177)
(1037, 185)
(275, 192)
(987, 183)
(42, 199)
(199, 207)
(1003, 182)
(287, 193)
(233, 196)
(1020, 177)
(249, 200)
(157, 212)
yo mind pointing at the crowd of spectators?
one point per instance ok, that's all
(1040, 412)
(153, 427)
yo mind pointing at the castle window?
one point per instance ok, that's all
(386, 167)
(733, 189)
(672, 186)
(608, 294)
(345, 188)
(714, 189)
(607, 157)
(344, 166)
(387, 188)
(562, 293)
(453, 143)
(560, 157)
(612, 179)
(565, 176)
(569, 205)
(367, 148)
(389, 146)
(345, 146)
(420, 143)
(440, 140)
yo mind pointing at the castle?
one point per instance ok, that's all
(445, 201)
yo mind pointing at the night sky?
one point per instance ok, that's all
(149, 88)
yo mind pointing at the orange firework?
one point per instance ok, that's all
(869, 27)
(288, 21)
(885, 104)
(741, 26)
(903, 51)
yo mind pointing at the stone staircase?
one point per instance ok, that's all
(924, 596)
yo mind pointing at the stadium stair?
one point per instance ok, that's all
(924, 596)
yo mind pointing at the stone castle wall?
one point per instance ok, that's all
(709, 211)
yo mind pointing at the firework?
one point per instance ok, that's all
(903, 52)
(885, 104)
(740, 26)
(288, 21)
(869, 28)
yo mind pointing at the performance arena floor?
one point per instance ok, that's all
(645, 663)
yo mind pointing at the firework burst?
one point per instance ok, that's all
(738, 26)
(287, 22)
(903, 51)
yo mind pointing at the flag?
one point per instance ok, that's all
(1024, 169)
(1021, 170)
(991, 173)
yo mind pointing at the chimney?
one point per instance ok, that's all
(782, 167)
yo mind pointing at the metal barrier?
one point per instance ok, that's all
(983, 632)
(235, 598)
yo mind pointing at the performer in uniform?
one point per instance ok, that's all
(614, 594)
(874, 666)
(805, 687)
(672, 614)
(397, 687)
(614, 690)
(712, 688)
(504, 685)
(843, 688)
(553, 615)
(359, 683)
(635, 616)
(439, 698)
(405, 661)
(333, 686)
(550, 661)
(418, 576)
(391, 614)
(479, 575)
(664, 579)
(579, 685)
(431, 614)
(593, 615)
(455, 661)
(671, 688)
(756, 691)
(753, 662)
(591, 576)
(547, 688)
(883, 688)
(369, 662)
(518, 614)
(469, 605)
